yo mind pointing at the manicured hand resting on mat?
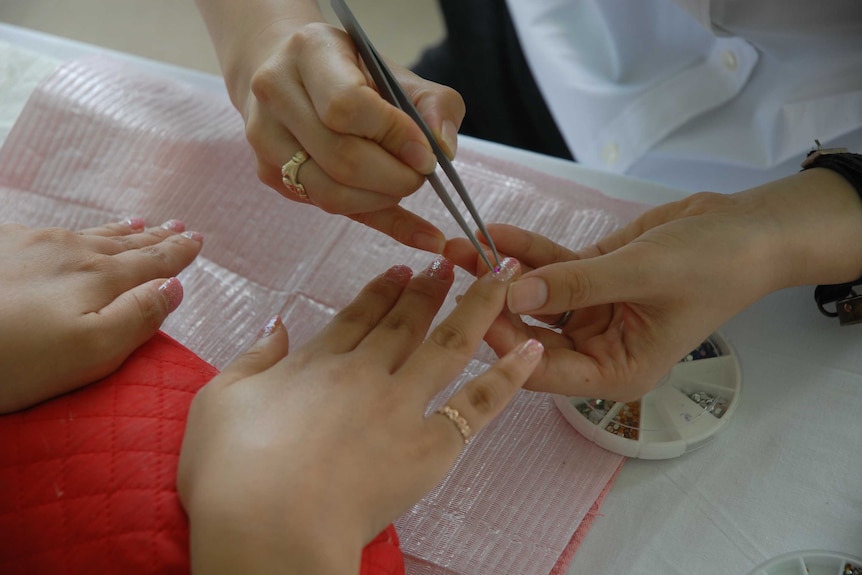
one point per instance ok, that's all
(76, 304)
(291, 463)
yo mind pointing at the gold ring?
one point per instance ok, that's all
(463, 427)
(564, 319)
(290, 172)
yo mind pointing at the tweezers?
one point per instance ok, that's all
(393, 93)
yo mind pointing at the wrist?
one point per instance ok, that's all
(817, 232)
(228, 539)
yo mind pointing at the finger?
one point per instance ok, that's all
(166, 258)
(531, 249)
(271, 347)
(404, 227)
(348, 103)
(629, 274)
(112, 244)
(482, 399)
(123, 227)
(441, 107)
(353, 323)
(132, 318)
(454, 341)
(348, 185)
(405, 325)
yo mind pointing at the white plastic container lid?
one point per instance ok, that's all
(811, 563)
(683, 412)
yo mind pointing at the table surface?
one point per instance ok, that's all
(785, 475)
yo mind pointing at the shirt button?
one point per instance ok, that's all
(610, 153)
(728, 60)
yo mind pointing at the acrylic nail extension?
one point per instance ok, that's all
(507, 270)
(172, 291)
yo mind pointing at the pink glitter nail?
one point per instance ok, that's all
(440, 269)
(507, 270)
(172, 291)
(270, 327)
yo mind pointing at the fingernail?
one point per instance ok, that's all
(418, 157)
(428, 242)
(506, 270)
(134, 222)
(449, 135)
(273, 324)
(527, 295)
(440, 269)
(174, 225)
(196, 236)
(531, 350)
(172, 291)
(399, 274)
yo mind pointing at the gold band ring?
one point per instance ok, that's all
(290, 173)
(455, 417)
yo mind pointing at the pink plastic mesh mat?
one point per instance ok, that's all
(98, 141)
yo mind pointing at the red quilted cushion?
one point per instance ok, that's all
(87, 480)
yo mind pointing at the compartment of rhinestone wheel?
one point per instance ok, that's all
(683, 412)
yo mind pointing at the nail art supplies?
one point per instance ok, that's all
(694, 401)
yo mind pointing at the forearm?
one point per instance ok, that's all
(818, 237)
(225, 543)
(244, 34)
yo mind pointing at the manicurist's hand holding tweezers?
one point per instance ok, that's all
(393, 93)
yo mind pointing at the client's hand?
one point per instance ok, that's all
(292, 463)
(648, 294)
(73, 306)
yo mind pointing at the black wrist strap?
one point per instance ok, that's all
(848, 305)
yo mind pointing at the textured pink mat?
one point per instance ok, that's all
(98, 141)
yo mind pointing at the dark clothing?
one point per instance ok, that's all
(481, 58)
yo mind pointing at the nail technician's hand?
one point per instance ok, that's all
(292, 463)
(648, 294)
(73, 306)
(300, 85)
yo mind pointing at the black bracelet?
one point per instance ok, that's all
(848, 305)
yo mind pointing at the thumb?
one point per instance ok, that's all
(270, 348)
(621, 276)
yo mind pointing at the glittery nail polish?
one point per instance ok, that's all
(172, 291)
(400, 274)
(441, 269)
(196, 236)
(273, 324)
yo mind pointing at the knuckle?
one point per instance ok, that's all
(402, 322)
(483, 398)
(451, 338)
(578, 287)
(356, 315)
(339, 112)
(264, 83)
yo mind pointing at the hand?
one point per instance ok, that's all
(76, 305)
(648, 294)
(311, 92)
(292, 463)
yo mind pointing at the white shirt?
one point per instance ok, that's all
(694, 94)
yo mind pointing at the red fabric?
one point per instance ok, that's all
(87, 480)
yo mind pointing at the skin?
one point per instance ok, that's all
(648, 294)
(298, 83)
(77, 304)
(291, 463)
